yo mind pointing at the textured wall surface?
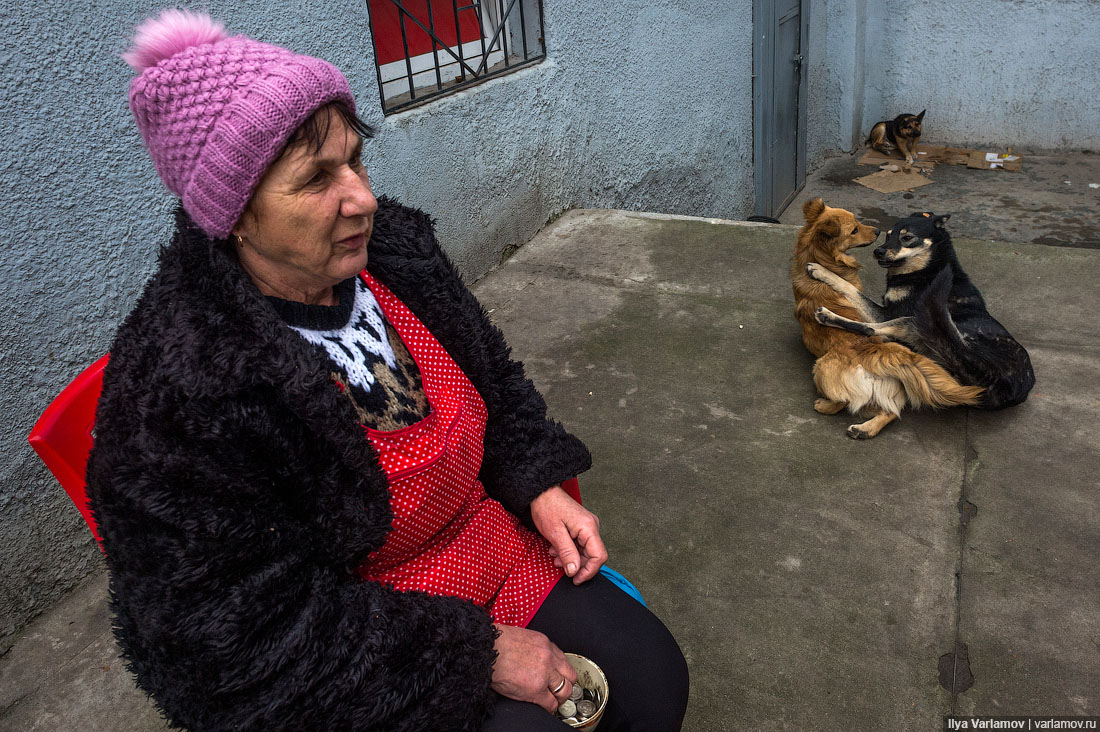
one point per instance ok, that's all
(640, 105)
(842, 93)
(995, 73)
(77, 242)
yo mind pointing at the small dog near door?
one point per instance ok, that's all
(931, 306)
(858, 372)
(901, 132)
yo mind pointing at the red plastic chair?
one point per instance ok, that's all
(573, 488)
(63, 436)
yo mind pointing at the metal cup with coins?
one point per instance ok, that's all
(585, 706)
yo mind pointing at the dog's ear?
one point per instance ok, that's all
(941, 221)
(921, 115)
(812, 209)
(829, 229)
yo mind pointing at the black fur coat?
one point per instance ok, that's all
(236, 494)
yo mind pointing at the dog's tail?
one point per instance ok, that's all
(926, 383)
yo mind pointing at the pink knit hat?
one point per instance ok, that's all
(215, 111)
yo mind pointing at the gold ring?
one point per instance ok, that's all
(559, 687)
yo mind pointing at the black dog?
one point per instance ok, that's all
(903, 132)
(931, 306)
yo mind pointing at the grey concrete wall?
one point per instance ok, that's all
(844, 39)
(991, 73)
(639, 106)
(996, 72)
(79, 235)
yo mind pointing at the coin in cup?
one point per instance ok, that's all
(589, 695)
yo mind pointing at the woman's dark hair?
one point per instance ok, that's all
(314, 131)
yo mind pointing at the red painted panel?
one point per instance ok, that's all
(386, 21)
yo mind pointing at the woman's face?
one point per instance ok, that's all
(309, 220)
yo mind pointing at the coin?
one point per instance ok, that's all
(577, 694)
(585, 708)
(568, 708)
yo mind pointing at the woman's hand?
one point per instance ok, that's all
(573, 532)
(529, 668)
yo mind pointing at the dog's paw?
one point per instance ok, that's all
(822, 315)
(813, 269)
(857, 434)
(828, 406)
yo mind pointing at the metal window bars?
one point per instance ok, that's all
(509, 36)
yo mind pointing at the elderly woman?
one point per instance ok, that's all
(328, 498)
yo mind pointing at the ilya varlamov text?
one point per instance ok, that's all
(1023, 723)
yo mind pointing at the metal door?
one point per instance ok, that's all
(779, 112)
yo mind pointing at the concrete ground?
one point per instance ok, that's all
(814, 582)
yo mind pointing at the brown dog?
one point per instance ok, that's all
(902, 132)
(858, 372)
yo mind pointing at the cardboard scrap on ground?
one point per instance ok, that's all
(993, 161)
(956, 155)
(894, 175)
(886, 181)
(874, 157)
(926, 154)
(947, 156)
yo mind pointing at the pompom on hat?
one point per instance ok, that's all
(215, 111)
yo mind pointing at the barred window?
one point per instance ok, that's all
(424, 49)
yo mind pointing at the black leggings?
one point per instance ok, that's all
(646, 672)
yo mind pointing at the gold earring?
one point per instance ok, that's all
(240, 241)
